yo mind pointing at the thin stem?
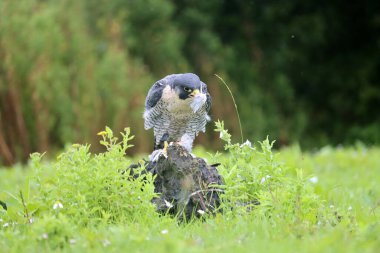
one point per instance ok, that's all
(233, 99)
(25, 208)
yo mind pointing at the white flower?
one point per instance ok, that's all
(264, 179)
(45, 236)
(1, 220)
(168, 204)
(31, 220)
(314, 180)
(57, 205)
(164, 232)
(331, 206)
(246, 143)
(6, 225)
(349, 208)
(72, 241)
(221, 134)
(201, 212)
(106, 243)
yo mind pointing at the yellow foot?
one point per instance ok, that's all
(159, 152)
(165, 149)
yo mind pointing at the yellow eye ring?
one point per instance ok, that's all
(187, 89)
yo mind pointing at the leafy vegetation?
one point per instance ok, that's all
(323, 201)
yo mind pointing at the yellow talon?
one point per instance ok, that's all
(165, 149)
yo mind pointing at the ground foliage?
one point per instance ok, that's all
(324, 201)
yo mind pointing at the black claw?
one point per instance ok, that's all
(160, 145)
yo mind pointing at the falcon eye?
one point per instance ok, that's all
(187, 89)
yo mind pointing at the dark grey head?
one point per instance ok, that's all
(186, 85)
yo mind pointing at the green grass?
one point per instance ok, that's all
(324, 201)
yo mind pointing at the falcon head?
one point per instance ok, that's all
(189, 87)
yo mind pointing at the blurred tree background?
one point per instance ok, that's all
(302, 71)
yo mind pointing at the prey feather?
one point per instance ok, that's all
(198, 101)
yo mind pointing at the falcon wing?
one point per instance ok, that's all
(153, 111)
(154, 95)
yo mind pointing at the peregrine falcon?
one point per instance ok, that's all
(177, 107)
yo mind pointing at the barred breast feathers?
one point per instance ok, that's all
(173, 115)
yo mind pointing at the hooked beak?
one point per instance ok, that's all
(195, 92)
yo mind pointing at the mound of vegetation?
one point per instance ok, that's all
(187, 185)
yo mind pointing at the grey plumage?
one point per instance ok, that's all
(174, 107)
